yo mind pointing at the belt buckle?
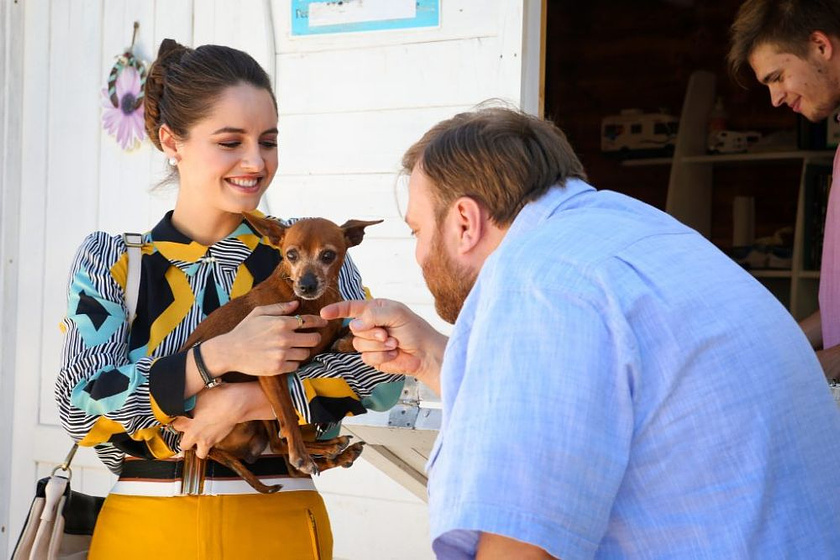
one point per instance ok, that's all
(192, 477)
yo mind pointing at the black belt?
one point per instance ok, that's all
(174, 469)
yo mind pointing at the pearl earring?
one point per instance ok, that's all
(173, 161)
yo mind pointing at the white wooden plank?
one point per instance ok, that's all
(365, 528)
(398, 76)
(11, 153)
(34, 84)
(510, 58)
(123, 175)
(363, 480)
(204, 23)
(390, 271)
(244, 25)
(365, 197)
(459, 19)
(533, 63)
(72, 163)
(173, 20)
(94, 481)
(53, 444)
(353, 143)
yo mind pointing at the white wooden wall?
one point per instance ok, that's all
(350, 104)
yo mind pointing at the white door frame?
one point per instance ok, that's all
(533, 56)
(11, 105)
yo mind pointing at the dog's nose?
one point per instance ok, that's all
(308, 284)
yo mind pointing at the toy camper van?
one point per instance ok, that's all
(634, 133)
(731, 142)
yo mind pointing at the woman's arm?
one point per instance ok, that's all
(103, 393)
(218, 410)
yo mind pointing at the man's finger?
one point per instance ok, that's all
(347, 309)
(377, 358)
(378, 341)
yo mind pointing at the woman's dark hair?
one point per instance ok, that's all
(500, 157)
(183, 84)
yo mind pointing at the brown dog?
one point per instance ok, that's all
(313, 251)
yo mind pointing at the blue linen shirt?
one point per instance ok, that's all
(616, 387)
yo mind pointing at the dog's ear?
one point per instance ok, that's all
(354, 230)
(272, 229)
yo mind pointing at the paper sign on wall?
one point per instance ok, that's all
(312, 17)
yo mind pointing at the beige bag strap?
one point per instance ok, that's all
(133, 242)
(46, 540)
(43, 532)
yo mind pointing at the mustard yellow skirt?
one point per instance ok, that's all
(286, 525)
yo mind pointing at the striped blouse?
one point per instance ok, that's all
(118, 387)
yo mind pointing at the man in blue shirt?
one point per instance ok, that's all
(614, 386)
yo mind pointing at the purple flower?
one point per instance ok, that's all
(125, 122)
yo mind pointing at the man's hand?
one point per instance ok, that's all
(392, 338)
(830, 362)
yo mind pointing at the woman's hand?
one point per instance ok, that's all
(217, 411)
(265, 342)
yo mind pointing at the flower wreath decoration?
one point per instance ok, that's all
(122, 99)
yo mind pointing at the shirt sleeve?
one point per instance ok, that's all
(544, 412)
(335, 385)
(103, 396)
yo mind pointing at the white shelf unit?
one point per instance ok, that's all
(689, 197)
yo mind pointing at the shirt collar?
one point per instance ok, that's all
(188, 255)
(555, 199)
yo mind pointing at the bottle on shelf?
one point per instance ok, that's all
(716, 121)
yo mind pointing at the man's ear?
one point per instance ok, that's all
(168, 141)
(822, 44)
(471, 220)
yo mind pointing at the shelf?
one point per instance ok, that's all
(647, 161)
(734, 158)
(760, 156)
(691, 184)
(770, 273)
(779, 273)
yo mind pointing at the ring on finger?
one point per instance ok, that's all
(300, 321)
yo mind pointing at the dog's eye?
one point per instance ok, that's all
(327, 257)
(292, 256)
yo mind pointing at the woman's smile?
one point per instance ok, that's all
(249, 184)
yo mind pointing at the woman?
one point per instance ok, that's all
(126, 389)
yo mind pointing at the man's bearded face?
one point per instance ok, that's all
(449, 282)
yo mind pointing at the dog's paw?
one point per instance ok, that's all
(305, 464)
(344, 344)
(272, 489)
(349, 455)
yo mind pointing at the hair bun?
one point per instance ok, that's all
(169, 52)
(169, 46)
